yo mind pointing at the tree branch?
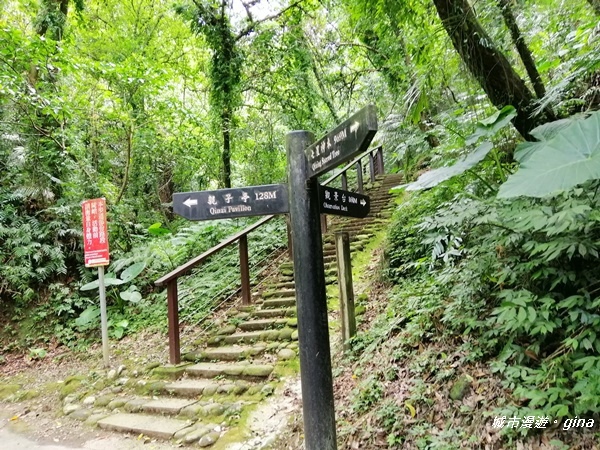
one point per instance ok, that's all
(246, 31)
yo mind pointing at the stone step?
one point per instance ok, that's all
(148, 425)
(262, 324)
(281, 285)
(232, 353)
(166, 406)
(205, 387)
(284, 334)
(211, 370)
(279, 293)
(279, 302)
(275, 312)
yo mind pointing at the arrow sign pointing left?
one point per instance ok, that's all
(227, 203)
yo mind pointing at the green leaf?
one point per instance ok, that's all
(570, 158)
(436, 176)
(132, 271)
(131, 296)
(87, 316)
(490, 126)
(156, 229)
(108, 281)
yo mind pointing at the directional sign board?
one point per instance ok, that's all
(340, 145)
(343, 203)
(237, 202)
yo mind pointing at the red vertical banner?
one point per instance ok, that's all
(95, 232)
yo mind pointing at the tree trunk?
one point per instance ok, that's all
(524, 52)
(595, 4)
(487, 64)
(226, 155)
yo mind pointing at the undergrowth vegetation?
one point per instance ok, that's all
(66, 310)
(487, 290)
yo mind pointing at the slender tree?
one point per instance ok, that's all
(522, 48)
(487, 64)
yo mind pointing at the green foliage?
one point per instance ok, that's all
(571, 156)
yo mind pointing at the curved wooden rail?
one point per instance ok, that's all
(375, 168)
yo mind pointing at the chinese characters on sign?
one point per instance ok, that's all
(236, 202)
(343, 203)
(95, 233)
(348, 139)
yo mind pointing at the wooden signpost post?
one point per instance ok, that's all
(306, 161)
(305, 200)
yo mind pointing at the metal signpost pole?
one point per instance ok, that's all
(103, 317)
(313, 330)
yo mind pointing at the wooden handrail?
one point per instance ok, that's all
(181, 270)
(351, 164)
(170, 279)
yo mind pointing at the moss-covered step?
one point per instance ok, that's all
(262, 324)
(279, 302)
(230, 353)
(211, 370)
(166, 406)
(206, 387)
(275, 312)
(278, 293)
(259, 336)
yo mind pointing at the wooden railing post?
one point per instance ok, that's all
(173, 315)
(372, 167)
(323, 223)
(344, 181)
(245, 270)
(348, 318)
(380, 169)
(359, 176)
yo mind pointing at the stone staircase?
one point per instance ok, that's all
(223, 377)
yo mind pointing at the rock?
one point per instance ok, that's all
(258, 371)
(216, 409)
(169, 372)
(71, 398)
(116, 403)
(460, 388)
(93, 419)
(122, 381)
(286, 334)
(285, 354)
(267, 389)
(151, 366)
(112, 374)
(195, 435)
(295, 335)
(135, 405)
(81, 414)
(89, 401)
(240, 387)
(179, 435)
(103, 401)
(229, 329)
(211, 389)
(292, 322)
(226, 388)
(209, 439)
(293, 346)
(120, 369)
(192, 411)
(70, 408)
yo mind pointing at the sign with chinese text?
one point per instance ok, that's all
(343, 143)
(236, 202)
(343, 203)
(95, 233)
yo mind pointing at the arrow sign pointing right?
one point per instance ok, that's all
(343, 203)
